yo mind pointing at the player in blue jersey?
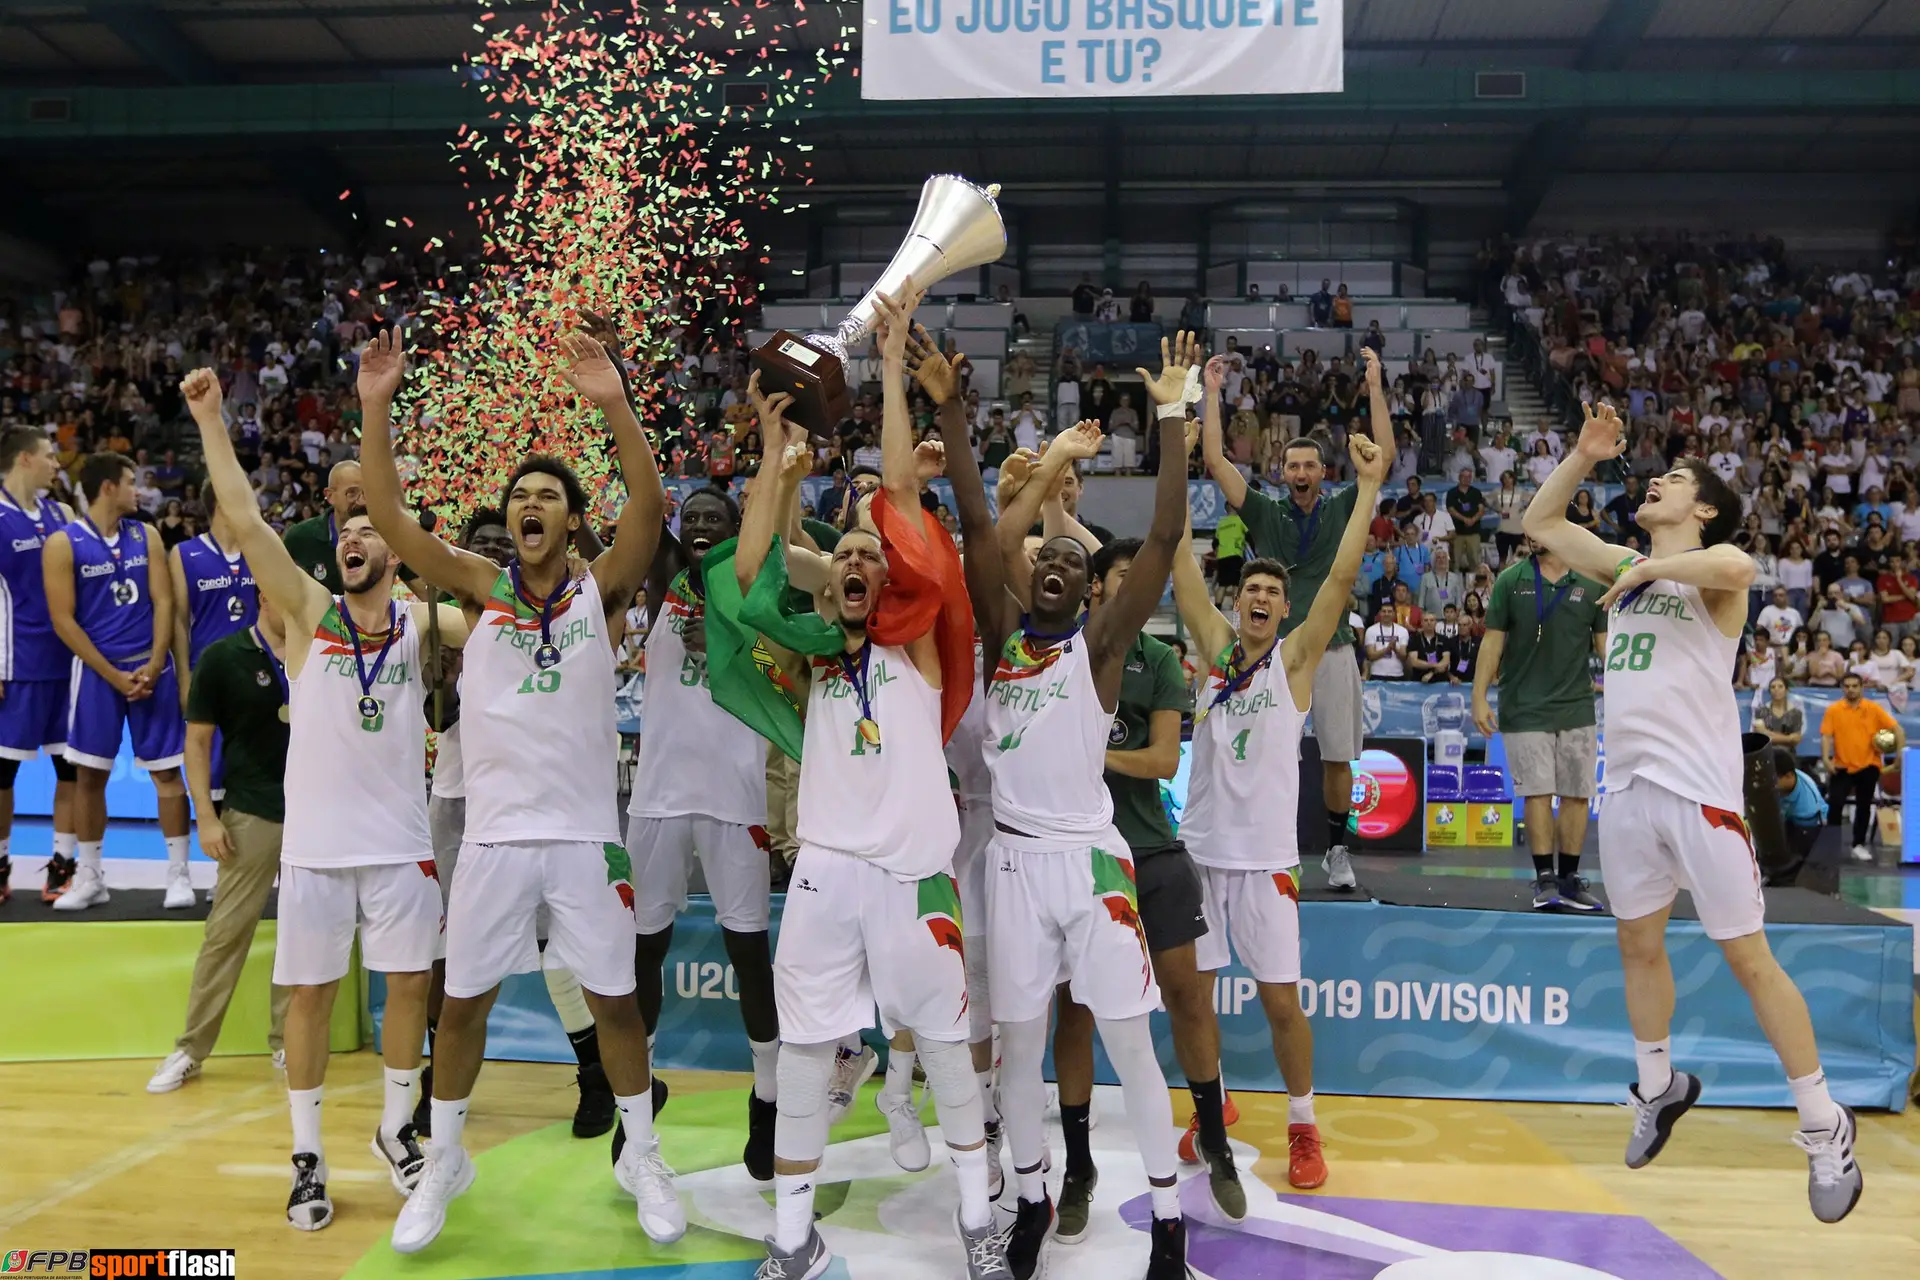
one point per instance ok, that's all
(111, 601)
(34, 665)
(213, 598)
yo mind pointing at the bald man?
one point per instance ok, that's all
(311, 542)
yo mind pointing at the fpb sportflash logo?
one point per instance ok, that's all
(118, 1262)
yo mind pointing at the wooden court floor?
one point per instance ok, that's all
(89, 1159)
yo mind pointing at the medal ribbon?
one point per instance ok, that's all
(857, 677)
(546, 606)
(1235, 683)
(279, 667)
(359, 655)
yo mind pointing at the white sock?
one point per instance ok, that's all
(449, 1123)
(90, 853)
(1166, 1200)
(792, 1209)
(396, 1111)
(1818, 1111)
(1300, 1109)
(766, 1069)
(636, 1117)
(990, 1111)
(970, 1167)
(176, 851)
(64, 843)
(1033, 1185)
(304, 1104)
(1655, 1059)
(899, 1083)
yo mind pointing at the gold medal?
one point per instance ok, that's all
(869, 731)
(286, 714)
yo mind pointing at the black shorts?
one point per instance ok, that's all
(1169, 892)
(1226, 570)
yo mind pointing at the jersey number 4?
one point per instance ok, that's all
(1631, 653)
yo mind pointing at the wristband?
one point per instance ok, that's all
(1178, 409)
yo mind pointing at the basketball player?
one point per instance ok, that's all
(111, 601)
(1061, 900)
(215, 590)
(1244, 794)
(1302, 533)
(1674, 786)
(1546, 711)
(486, 535)
(35, 667)
(539, 749)
(700, 784)
(873, 914)
(313, 543)
(355, 848)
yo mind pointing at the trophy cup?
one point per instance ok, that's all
(956, 226)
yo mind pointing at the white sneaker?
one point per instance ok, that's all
(89, 889)
(179, 889)
(174, 1072)
(850, 1071)
(448, 1174)
(644, 1175)
(1862, 854)
(906, 1135)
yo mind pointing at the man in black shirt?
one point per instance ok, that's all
(1618, 514)
(1407, 506)
(1429, 654)
(1468, 507)
(1830, 565)
(1084, 296)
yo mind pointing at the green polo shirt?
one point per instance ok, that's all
(1545, 684)
(1303, 542)
(311, 544)
(1151, 681)
(235, 690)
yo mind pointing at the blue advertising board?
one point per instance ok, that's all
(129, 794)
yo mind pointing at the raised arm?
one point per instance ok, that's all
(464, 576)
(294, 592)
(1722, 568)
(1546, 520)
(776, 484)
(1209, 628)
(1305, 643)
(1112, 628)
(898, 476)
(1380, 420)
(1233, 485)
(621, 569)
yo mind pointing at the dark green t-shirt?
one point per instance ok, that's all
(235, 689)
(1545, 683)
(1151, 681)
(1303, 542)
(311, 544)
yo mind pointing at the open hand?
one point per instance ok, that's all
(1635, 575)
(1602, 435)
(1078, 442)
(382, 365)
(201, 390)
(1015, 470)
(590, 370)
(895, 319)
(1177, 355)
(937, 374)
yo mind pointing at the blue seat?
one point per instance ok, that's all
(1487, 784)
(1443, 784)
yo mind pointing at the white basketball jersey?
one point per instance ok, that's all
(1243, 798)
(356, 784)
(694, 756)
(540, 747)
(1046, 744)
(1671, 714)
(965, 749)
(886, 802)
(449, 778)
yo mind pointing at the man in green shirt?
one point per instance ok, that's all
(239, 691)
(1143, 747)
(1302, 533)
(311, 542)
(1546, 710)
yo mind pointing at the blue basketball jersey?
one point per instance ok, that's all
(220, 598)
(110, 597)
(29, 650)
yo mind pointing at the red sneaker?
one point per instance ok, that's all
(1228, 1112)
(60, 872)
(1306, 1167)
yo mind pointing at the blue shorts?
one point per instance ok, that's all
(96, 711)
(33, 718)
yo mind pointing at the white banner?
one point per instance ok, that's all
(1098, 48)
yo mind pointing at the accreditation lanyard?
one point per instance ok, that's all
(548, 653)
(369, 705)
(1232, 683)
(856, 673)
(1305, 525)
(279, 674)
(1543, 609)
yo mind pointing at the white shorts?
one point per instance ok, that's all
(493, 913)
(852, 937)
(1252, 914)
(734, 857)
(395, 906)
(970, 866)
(1654, 842)
(1069, 915)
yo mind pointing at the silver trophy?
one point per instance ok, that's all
(957, 226)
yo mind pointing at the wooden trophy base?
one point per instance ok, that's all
(814, 378)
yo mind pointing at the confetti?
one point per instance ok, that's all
(608, 175)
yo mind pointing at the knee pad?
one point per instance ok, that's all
(8, 769)
(979, 1011)
(804, 1073)
(949, 1069)
(64, 770)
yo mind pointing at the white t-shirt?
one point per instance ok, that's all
(1779, 623)
(1499, 461)
(1433, 525)
(1390, 636)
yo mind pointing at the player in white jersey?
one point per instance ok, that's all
(1674, 788)
(700, 785)
(1061, 897)
(1244, 794)
(539, 749)
(356, 851)
(873, 914)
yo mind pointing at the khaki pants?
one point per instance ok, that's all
(783, 803)
(245, 881)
